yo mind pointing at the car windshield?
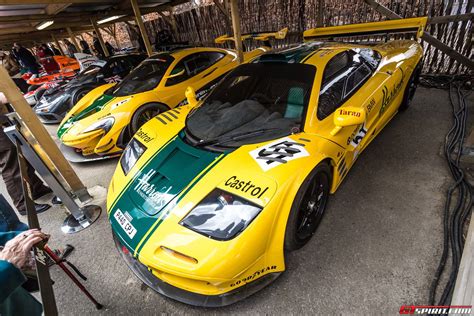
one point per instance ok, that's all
(87, 74)
(254, 103)
(145, 77)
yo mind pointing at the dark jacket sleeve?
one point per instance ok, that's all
(10, 279)
(4, 237)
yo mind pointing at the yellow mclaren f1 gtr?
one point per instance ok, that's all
(102, 122)
(208, 198)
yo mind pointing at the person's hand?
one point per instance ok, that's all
(17, 251)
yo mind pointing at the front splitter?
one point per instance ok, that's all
(76, 157)
(183, 296)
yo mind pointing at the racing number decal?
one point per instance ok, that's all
(278, 152)
(358, 136)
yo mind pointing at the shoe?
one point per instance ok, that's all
(40, 208)
(56, 201)
(42, 192)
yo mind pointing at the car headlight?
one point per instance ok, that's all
(131, 154)
(105, 125)
(221, 215)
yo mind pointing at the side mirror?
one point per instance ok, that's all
(191, 96)
(180, 73)
(348, 116)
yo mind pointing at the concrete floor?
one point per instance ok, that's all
(377, 247)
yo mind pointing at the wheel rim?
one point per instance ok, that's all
(312, 207)
(145, 116)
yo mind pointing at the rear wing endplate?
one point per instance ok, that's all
(390, 26)
(264, 36)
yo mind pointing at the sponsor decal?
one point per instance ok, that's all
(85, 60)
(436, 310)
(149, 192)
(144, 136)
(349, 113)
(388, 96)
(278, 152)
(245, 186)
(124, 221)
(254, 275)
(370, 106)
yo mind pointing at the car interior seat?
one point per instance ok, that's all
(295, 104)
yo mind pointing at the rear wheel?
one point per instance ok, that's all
(144, 114)
(410, 89)
(308, 208)
(39, 93)
(33, 88)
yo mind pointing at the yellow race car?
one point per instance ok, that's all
(102, 122)
(207, 199)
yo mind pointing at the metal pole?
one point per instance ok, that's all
(81, 217)
(42, 271)
(43, 141)
(99, 36)
(141, 26)
(234, 10)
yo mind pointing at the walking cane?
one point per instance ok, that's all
(44, 278)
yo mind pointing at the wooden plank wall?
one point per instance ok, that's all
(201, 25)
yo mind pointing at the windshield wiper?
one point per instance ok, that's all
(234, 137)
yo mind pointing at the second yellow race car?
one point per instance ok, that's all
(102, 122)
(206, 202)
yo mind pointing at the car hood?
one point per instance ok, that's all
(173, 177)
(88, 105)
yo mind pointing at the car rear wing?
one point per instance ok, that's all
(416, 25)
(264, 36)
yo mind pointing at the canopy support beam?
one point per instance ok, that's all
(427, 37)
(99, 36)
(234, 10)
(141, 26)
(73, 39)
(55, 40)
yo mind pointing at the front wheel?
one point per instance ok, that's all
(144, 114)
(77, 95)
(308, 208)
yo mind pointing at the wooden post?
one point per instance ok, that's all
(58, 44)
(173, 23)
(234, 10)
(19, 104)
(225, 13)
(141, 26)
(320, 21)
(427, 37)
(99, 36)
(74, 40)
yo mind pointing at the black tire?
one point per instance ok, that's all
(39, 93)
(33, 88)
(308, 207)
(410, 89)
(78, 94)
(144, 114)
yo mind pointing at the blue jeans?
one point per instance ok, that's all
(8, 219)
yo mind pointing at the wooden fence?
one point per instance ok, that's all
(201, 25)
